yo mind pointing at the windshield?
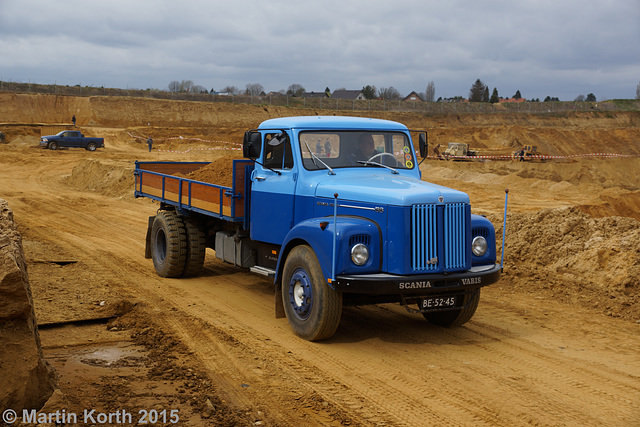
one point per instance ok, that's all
(341, 149)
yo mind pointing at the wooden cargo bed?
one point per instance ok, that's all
(158, 181)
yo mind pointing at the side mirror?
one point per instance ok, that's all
(252, 145)
(423, 144)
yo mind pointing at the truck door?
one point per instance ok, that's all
(72, 139)
(273, 190)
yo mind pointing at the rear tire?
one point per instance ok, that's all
(456, 317)
(311, 306)
(168, 244)
(196, 248)
(91, 146)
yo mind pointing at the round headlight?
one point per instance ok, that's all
(479, 246)
(359, 254)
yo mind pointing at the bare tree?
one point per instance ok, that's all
(389, 93)
(183, 86)
(430, 94)
(232, 90)
(254, 89)
(579, 98)
(174, 86)
(296, 89)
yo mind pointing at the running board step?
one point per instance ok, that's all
(264, 271)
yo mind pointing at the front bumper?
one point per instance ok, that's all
(392, 284)
(43, 144)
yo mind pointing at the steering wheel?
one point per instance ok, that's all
(383, 154)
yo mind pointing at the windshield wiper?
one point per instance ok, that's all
(367, 163)
(314, 158)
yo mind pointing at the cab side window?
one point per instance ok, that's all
(278, 153)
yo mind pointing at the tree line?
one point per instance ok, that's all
(479, 92)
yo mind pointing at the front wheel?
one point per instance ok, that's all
(456, 317)
(168, 244)
(312, 307)
(53, 145)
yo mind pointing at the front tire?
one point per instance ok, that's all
(312, 307)
(53, 145)
(456, 317)
(168, 244)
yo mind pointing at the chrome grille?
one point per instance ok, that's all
(454, 236)
(424, 244)
(438, 237)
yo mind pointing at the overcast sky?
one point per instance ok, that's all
(560, 48)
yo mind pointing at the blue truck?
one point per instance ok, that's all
(335, 211)
(70, 139)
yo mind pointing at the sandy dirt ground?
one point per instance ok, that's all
(555, 342)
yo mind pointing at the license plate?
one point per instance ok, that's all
(438, 302)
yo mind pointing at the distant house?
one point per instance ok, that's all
(314, 95)
(413, 96)
(347, 94)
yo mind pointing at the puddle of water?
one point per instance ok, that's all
(120, 354)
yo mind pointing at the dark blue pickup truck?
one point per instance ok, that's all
(70, 138)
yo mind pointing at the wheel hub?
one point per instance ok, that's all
(300, 293)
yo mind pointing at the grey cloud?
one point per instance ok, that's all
(549, 47)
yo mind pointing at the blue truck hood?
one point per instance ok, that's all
(386, 189)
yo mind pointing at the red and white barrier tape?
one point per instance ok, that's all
(200, 149)
(512, 157)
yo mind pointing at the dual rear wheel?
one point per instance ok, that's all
(177, 245)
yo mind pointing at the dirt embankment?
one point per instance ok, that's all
(27, 381)
(553, 134)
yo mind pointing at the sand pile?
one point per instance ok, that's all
(217, 172)
(566, 254)
(109, 179)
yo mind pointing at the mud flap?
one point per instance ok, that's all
(279, 304)
(147, 246)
